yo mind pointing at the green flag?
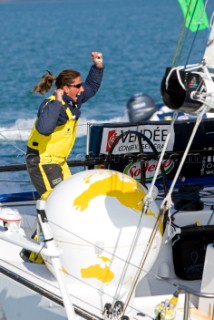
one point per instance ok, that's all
(194, 14)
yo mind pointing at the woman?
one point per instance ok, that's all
(54, 132)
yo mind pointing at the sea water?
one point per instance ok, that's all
(138, 40)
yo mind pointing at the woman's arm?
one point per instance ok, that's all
(48, 116)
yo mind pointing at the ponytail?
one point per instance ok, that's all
(45, 83)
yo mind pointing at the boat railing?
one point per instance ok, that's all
(189, 291)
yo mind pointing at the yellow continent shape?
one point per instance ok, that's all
(96, 271)
(127, 191)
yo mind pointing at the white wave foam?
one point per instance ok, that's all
(20, 130)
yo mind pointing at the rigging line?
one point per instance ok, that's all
(149, 195)
(190, 22)
(193, 42)
(159, 218)
(211, 216)
(177, 47)
(128, 259)
(101, 292)
(19, 133)
(112, 260)
(187, 32)
(163, 209)
(14, 181)
(110, 296)
(5, 138)
(108, 252)
(146, 202)
(91, 244)
(143, 260)
(180, 37)
(93, 287)
(145, 209)
(167, 200)
(182, 47)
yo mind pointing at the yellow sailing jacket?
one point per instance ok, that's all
(59, 143)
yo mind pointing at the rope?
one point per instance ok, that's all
(181, 46)
(167, 202)
(145, 208)
(160, 217)
(96, 288)
(193, 42)
(5, 138)
(181, 35)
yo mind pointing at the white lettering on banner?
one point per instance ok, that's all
(129, 141)
(134, 169)
(210, 172)
(207, 165)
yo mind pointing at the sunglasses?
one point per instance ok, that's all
(78, 85)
